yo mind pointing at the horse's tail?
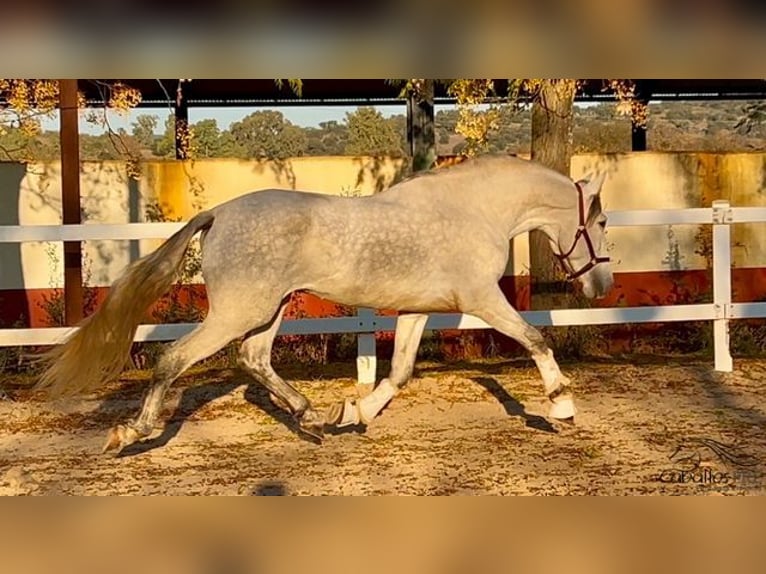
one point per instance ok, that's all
(100, 348)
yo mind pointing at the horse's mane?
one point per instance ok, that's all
(458, 163)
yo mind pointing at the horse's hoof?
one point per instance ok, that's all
(312, 423)
(119, 437)
(562, 408)
(568, 420)
(313, 430)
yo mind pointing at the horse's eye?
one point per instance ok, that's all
(602, 224)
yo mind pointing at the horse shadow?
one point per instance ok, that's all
(193, 399)
(270, 488)
(513, 407)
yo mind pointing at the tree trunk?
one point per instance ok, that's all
(552, 146)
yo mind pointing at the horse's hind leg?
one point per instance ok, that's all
(210, 336)
(409, 330)
(497, 312)
(255, 359)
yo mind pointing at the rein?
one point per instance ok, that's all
(582, 231)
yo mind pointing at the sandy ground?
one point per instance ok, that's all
(468, 428)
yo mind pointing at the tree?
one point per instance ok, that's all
(552, 129)
(267, 134)
(100, 147)
(513, 131)
(206, 139)
(165, 145)
(143, 130)
(17, 145)
(328, 139)
(601, 136)
(475, 121)
(370, 134)
(398, 124)
(23, 104)
(228, 146)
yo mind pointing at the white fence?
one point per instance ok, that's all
(721, 216)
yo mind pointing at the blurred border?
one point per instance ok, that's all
(417, 535)
(299, 38)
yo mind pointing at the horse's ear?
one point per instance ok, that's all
(591, 185)
(585, 180)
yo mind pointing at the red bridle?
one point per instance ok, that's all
(582, 231)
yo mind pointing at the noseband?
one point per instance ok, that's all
(582, 231)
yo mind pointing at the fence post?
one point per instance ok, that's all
(722, 218)
(366, 360)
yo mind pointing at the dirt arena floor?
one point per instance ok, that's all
(646, 425)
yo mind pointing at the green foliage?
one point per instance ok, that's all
(12, 359)
(207, 140)
(296, 85)
(53, 304)
(370, 134)
(672, 126)
(143, 130)
(266, 134)
(748, 338)
(328, 139)
(165, 145)
(18, 145)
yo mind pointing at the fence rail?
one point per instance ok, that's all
(721, 216)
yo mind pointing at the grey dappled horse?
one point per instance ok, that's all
(436, 242)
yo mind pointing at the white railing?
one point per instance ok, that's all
(721, 215)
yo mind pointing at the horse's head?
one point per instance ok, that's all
(582, 241)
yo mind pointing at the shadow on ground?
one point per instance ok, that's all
(513, 407)
(270, 488)
(125, 402)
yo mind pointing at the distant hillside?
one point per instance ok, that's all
(672, 126)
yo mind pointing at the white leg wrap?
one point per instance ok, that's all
(562, 408)
(350, 414)
(372, 404)
(363, 410)
(549, 371)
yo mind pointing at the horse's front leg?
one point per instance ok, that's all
(494, 309)
(409, 330)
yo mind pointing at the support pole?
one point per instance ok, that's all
(421, 135)
(638, 130)
(70, 196)
(722, 217)
(637, 136)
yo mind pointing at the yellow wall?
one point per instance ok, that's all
(649, 180)
(643, 180)
(107, 194)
